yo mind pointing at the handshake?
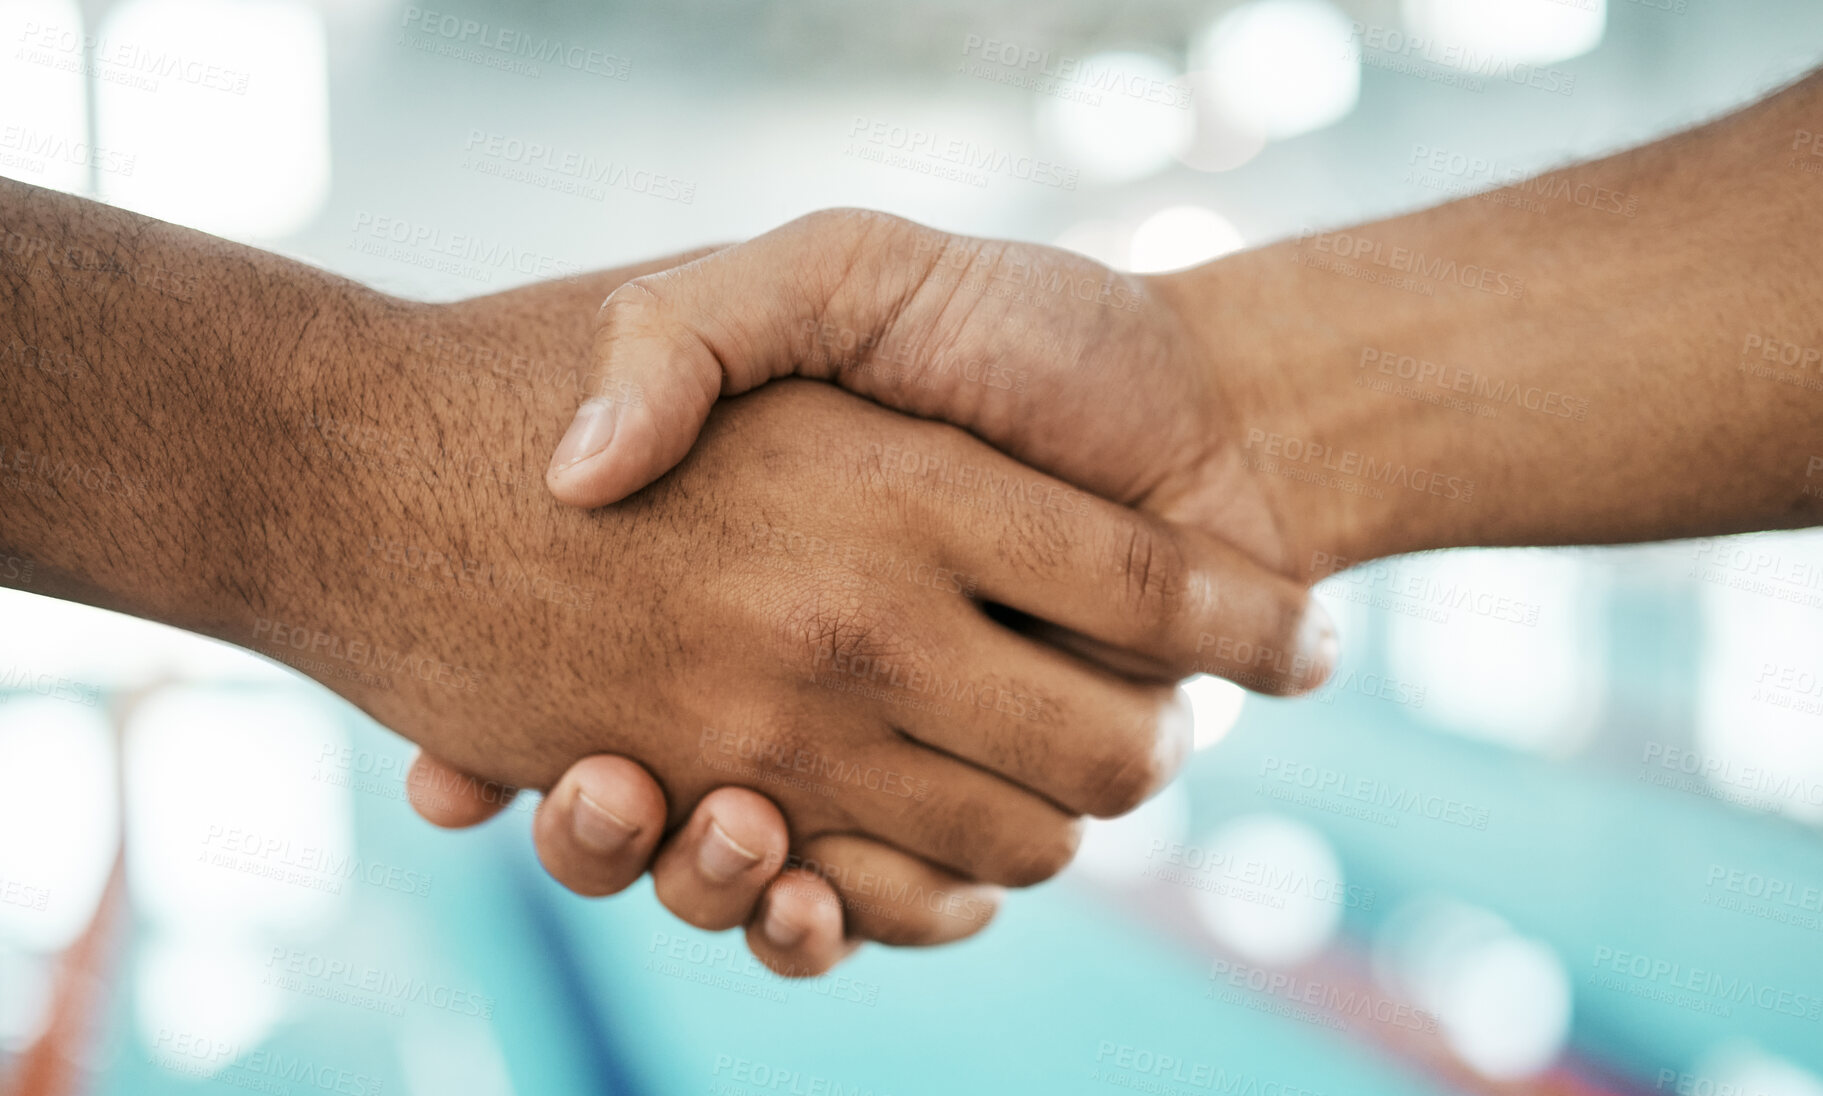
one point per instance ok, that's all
(836, 665)
(835, 661)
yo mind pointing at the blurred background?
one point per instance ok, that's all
(1554, 827)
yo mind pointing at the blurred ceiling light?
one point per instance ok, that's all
(1280, 894)
(1742, 1067)
(1507, 646)
(1216, 703)
(25, 997)
(441, 1057)
(239, 811)
(44, 125)
(1280, 68)
(225, 104)
(1116, 852)
(216, 990)
(1106, 242)
(1471, 34)
(1507, 1013)
(1127, 117)
(59, 819)
(1181, 236)
(1757, 741)
(98, 649)
(1502, 1000)
(1218, 142)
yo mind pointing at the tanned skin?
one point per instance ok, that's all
(255, 450)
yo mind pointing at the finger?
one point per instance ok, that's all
(711, 872)
(667, 345)
(969, 822)
(797, 930)
(596, 831)
(1090, 741)
(1166, 592)
(895, 898)
(445, 796)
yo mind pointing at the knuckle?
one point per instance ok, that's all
(628, 306)
(839, 632)
(1042, 855)
(1132, 775)
(1154, 576)
(1036, 540)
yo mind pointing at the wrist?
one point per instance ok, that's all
(1346, 473)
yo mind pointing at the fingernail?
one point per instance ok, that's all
(1318, 643)
(589, 433)
(721, 858)
(599, 829)
(781, 932)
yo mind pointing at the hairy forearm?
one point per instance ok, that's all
(218, 438)
(146, 368)
(1577, 359)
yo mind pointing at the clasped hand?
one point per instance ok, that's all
(862, 669)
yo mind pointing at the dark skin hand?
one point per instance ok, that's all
(263, 453)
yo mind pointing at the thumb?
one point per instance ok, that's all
(667, 345)
(650, 387)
